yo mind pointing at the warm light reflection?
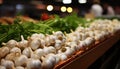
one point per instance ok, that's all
(67, 1)
(63, 9)
(49, 7)
(82, 1)
(1, 1)
(69, 9)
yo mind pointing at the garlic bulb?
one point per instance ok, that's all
(73, 45)
(33, 54)
(62, 56)
(58, 33)
(34, 64)
(52, 39)
(12, 56)
(39, 52)
(66, 50)
(99, 37)
(89, 41)
(80, 29)
(37, 36)
(82, 45)
(34, 44)
(57, 59)
(83, 36)
(48, 62)
(21, 61)
(43, 43)
(2, 67)
(27, 52)
(7, 64)
(15, 50)
(42, 36)
(23, 43)
(19, 67)
(49, 49)
(58, 44)
(77, 36)
(11, 43)
(4, 51)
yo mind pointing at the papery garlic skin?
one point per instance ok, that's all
(34, 44)
(19, 67)
(2, 67)
(57, 58)
(27, 52)
(23, 43)
(7, 64)
(15, 50)
(11, 43)
(21, 61)
(68, 51)
(34, 64)
(39, 52)
(12, 56)
(89, 41)
(37, 36)
(48, 62)
(62, 56)
(58, 44)
(4, 51)
(49, 49)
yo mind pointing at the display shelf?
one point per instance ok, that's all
(84, 60)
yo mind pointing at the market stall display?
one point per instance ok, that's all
(51, 43)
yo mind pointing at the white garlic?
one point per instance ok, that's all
(11, 43)
(12, 56)
(41, 36)
(57, 59)
(15, 50)
(52, 49)
(33, 54)
(43, 43)
(21, 61)
(4, 51)
(83, 36)
(7, 64)
(73, 45)
(99, 37)
(66, 50)
(37, 36)
(39, 52)
(89, 41)
(48, 62)
(34, 64)
(34, 44)
(62, 56)
(23, 43)
(52, 38)
(2, 67)
(58, 44)
(49, 49)
(58, 33)
(19, 67)
(27, 51)
(82, 45)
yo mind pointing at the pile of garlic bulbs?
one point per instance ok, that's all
(45, 51)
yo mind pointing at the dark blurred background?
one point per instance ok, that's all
(34, 8)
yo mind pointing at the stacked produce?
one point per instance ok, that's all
(40, 50)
